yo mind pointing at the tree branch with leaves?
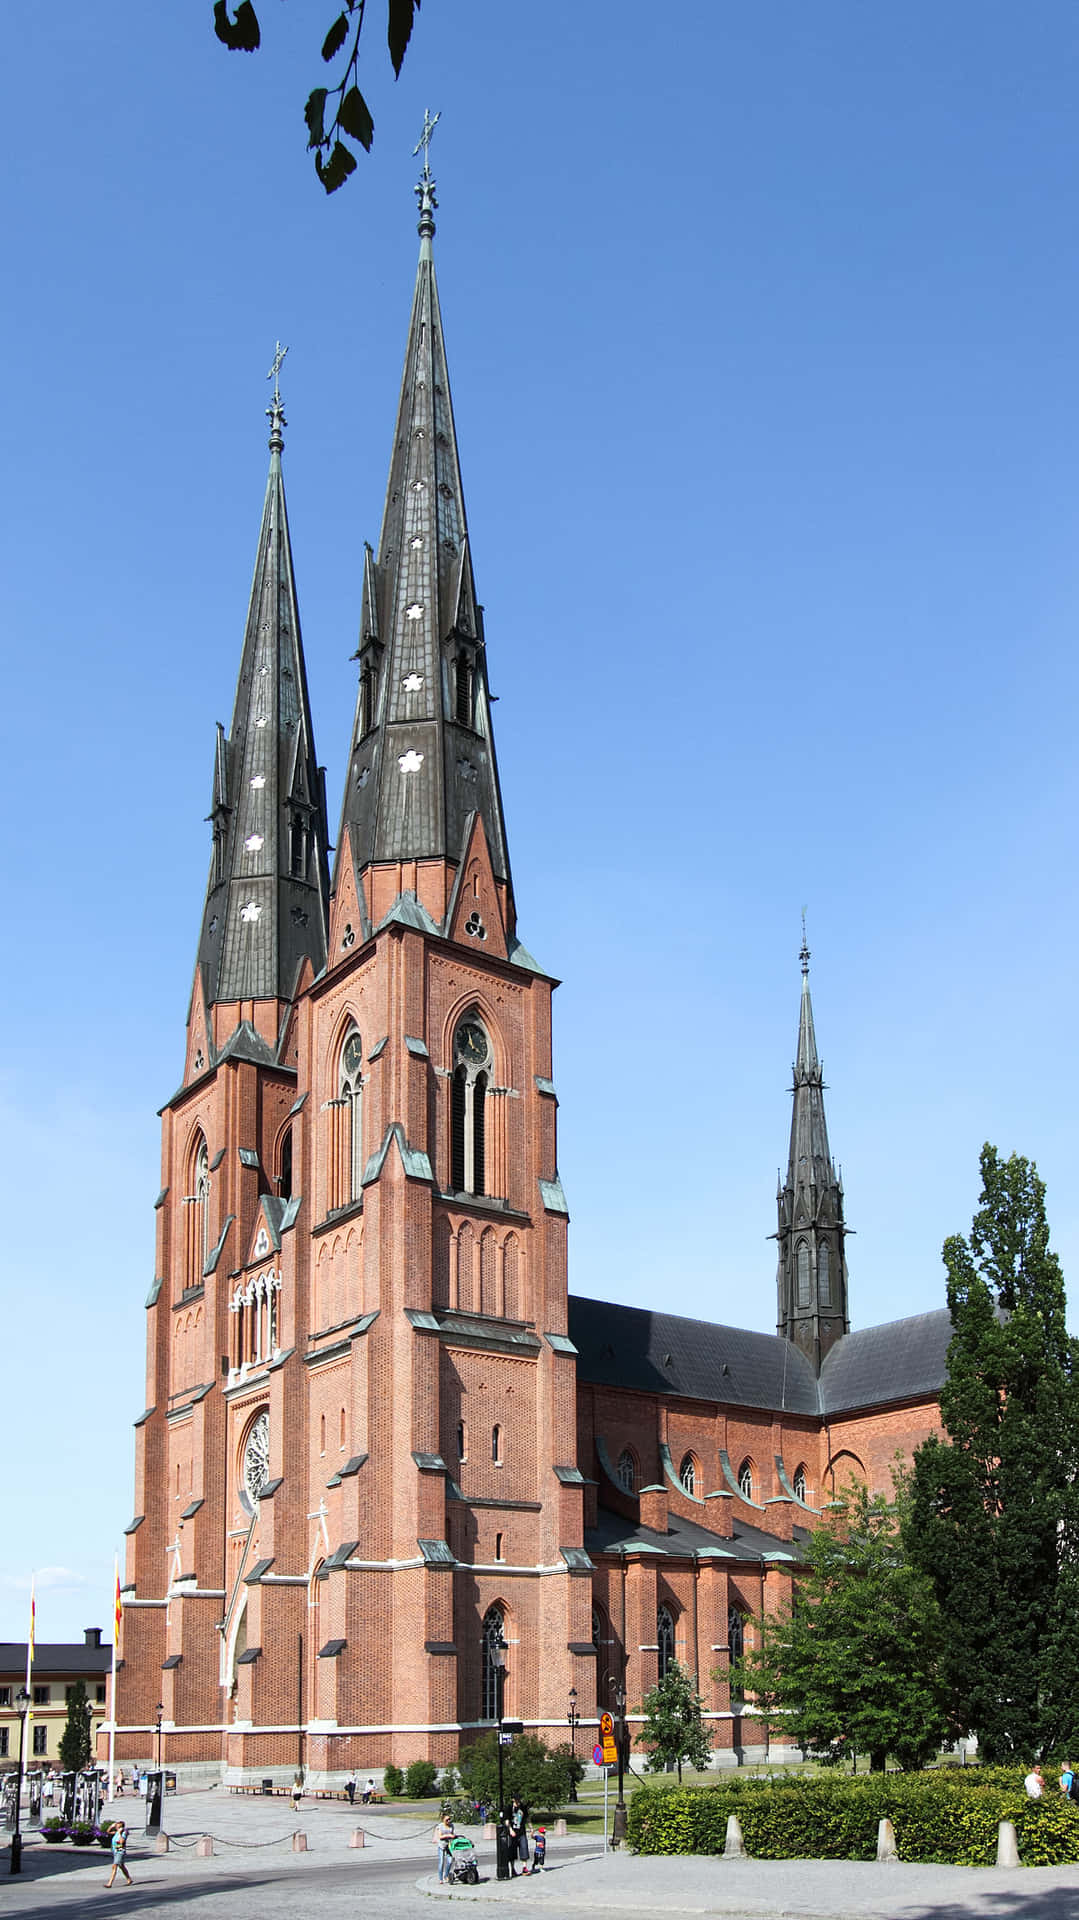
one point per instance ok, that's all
(337, 114)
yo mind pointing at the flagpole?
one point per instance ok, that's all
(117, 1614)
(30, 1665)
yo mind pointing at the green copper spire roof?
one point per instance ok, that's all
(266, 899)
(422, 758)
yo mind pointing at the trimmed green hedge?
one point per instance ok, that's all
(947, 1817)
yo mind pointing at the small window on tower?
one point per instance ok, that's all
(805, 1293)
(462, 1441)
(498, 1546)
(284, 1178)
(627, 1471)
(800, 1483)
(464, 690)
(496, 1445)
(824, 1278)
(368, 697)
(297, 847)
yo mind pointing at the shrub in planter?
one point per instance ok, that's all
(393, 1780)
(103, 1834)
(54, 1829)
(82, 1832)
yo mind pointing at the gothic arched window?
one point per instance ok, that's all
(824, 1278)
(368, 697)
(349, 1157)
(284, 1161)
(799, 1483)
(494, 1622)
(805, 1294)
(736, 1646)
(496, 1445)
(627, 1470)
(468, 1093)
(197, 1205)
(665, 1638)
(745, 1479)
(687, 1473)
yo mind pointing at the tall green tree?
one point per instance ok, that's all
(853, 1667)
(75, 1739)
(539, 1775)
(674, 1733)
(995, 1510)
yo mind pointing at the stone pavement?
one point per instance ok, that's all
(253, 1866)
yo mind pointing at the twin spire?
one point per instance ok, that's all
(812, 1275)
(421, 766)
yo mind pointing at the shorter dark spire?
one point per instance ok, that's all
(812, 1277)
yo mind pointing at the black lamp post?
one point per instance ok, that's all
(573, 1719)
(160, 1709)
(498, 1658)
(618, 1829)
(22, 1708)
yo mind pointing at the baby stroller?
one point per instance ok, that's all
(464, 1867)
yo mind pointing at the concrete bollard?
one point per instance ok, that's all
(886, 1841)
(1007, 1845)
(161, 1844)
(560, 1829)
(299, 1843)
(204, 1846)
(359, 1838)
(734, 1847)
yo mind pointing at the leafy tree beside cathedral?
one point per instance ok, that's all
(994, 1519)
(854, 1667)
(674, 1732)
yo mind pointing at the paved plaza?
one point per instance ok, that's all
(255, 1870)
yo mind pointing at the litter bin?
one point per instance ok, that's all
(504, 1846)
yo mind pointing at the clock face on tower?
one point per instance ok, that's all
(352, 1057)
(472, 1042)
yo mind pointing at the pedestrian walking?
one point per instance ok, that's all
(118, 1843)
(1034, 1784)
(444, 1833)
(350, 1788)
(297, 1792)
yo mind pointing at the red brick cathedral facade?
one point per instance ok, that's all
(379, 1433)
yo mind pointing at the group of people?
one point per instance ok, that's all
(370, 1791)
(517, 1833)
(1068, 1782)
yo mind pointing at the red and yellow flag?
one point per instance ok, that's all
(119, 1609)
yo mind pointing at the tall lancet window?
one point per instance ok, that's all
(346, 1125)
(468, 1095)
(824, 1278)
(351, 1095)
(805, 1291)
(197, 1224)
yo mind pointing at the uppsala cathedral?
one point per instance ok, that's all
(381, 1438)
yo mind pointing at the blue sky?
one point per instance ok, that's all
(763, 347)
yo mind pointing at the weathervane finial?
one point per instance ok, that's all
(425, 185)
(275, 412)
(804, 955)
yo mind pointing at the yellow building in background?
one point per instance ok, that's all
(56, 1670)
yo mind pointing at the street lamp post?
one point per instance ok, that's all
(498, 1657)
(22, 1708)
(160, 1709)
(574, 1720)
(618, 1830)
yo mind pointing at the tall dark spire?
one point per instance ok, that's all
(266, 899)
(812, 1276)
(422, 760)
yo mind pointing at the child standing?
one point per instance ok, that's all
(119, 1854)
(539, 1849)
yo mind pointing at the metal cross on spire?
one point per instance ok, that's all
(275, 412)
(804, 955)
(425, 185)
